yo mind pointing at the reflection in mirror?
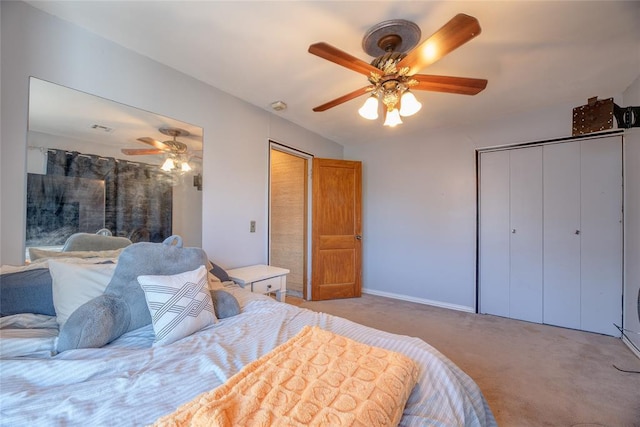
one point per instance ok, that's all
(95, 165)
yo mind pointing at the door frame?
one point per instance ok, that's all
(307, 256)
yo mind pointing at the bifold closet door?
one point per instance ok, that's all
(550, 234)
(493, 253)
(510, 240)
(562, 234)
(601, 235)
(525, 255)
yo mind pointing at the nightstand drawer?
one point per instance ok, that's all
(268, 285)
(262, 279)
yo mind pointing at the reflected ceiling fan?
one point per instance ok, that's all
(398, 58)
(178, 155)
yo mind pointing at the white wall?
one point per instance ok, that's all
(419, 224)
(236, 134)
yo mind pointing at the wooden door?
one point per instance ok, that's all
(525, 298)
(337, 229)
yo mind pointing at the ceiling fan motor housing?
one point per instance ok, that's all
(175, 146)
(395, 35)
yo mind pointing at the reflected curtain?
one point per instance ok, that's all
(138, 196)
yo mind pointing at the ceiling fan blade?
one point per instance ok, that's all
(337, 56)
(157, 144)
(459, 30)
(343, 98)
(459, 85)
(141, 151)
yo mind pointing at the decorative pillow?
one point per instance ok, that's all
(26, 291)
(219, 272)
(179, 304)
(75, 284)
(36, 254)
(225, 304)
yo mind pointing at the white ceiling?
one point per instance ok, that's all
(534, 54)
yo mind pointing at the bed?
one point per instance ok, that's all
(130, 382)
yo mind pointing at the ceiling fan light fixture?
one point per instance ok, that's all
(168, 165)
(369, 109)
(409, 105)
(393, 118)
(185, 167)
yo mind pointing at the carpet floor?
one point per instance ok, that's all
(531, 374)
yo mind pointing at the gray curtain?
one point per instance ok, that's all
(138, 196)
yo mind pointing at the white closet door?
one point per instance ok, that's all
(601, 235)
(525, 301)
(562, 234)
(493, 257)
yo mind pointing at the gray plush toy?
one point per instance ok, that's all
(122, 307)
(224, 304)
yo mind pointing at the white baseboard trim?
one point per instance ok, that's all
(419, 300)
(631, 347)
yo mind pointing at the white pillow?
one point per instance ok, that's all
(214, 282)
(75, 284)
(179, 305)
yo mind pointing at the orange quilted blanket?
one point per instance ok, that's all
(315, 378)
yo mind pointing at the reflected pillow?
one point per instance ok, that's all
(75, 284)
(179, 304)
(40, 255)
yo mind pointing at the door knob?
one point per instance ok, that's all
(513, 231)
(577, 231)
(358, 237)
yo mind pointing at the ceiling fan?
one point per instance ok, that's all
(398, 58)
(178, 155)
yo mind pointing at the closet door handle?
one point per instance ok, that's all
(513, 231)
(358, 237)
(577, 231)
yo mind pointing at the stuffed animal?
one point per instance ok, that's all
(122, 307)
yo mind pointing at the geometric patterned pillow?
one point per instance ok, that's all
(179, 304)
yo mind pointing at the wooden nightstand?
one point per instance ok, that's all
(263, 279)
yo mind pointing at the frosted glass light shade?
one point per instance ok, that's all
(409, 105)
(185, 167)
(369, 109)
(393, 118)
(168, 165)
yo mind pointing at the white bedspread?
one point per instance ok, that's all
(129, 383)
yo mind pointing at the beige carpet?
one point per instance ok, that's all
(531, 375)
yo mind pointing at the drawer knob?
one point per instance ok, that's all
(268, 286)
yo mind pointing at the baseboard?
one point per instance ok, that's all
(633, 349)
(419, 300)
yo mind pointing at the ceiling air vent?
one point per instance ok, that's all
(105, 129)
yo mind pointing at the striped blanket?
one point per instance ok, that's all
(315, 378)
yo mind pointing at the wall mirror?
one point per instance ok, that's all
(95, 165)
